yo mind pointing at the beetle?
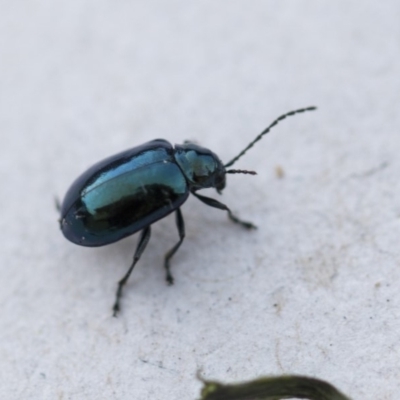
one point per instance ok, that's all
(131, 190)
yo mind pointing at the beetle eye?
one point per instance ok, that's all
(220, 182)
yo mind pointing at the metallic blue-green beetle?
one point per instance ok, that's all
(129, 191)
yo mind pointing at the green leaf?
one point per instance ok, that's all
(272, 388)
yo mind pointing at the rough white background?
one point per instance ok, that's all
(314, 291)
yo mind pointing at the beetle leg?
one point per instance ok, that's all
(181, 230)
(57, 204)
(216, 204)
(144, 239)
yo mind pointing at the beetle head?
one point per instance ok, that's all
(201, 167)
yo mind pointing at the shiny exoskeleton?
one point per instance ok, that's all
(129, 191)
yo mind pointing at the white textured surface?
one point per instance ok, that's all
(314, 291)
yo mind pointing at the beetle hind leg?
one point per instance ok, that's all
(181, 230)
(144, 239)
(216, 204)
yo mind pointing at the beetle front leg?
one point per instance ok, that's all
(144, 239)
(181, 230)
(216, 204)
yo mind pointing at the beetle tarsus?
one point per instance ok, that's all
(116, 307)
(236, 220)
(169, 279)
(216, 204)
(57, 203)
(181, 230)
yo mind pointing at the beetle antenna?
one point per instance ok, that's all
(265, 131)
(240, 171)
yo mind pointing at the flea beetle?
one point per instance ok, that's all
(129, 191)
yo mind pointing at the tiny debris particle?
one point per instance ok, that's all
(279, 171)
